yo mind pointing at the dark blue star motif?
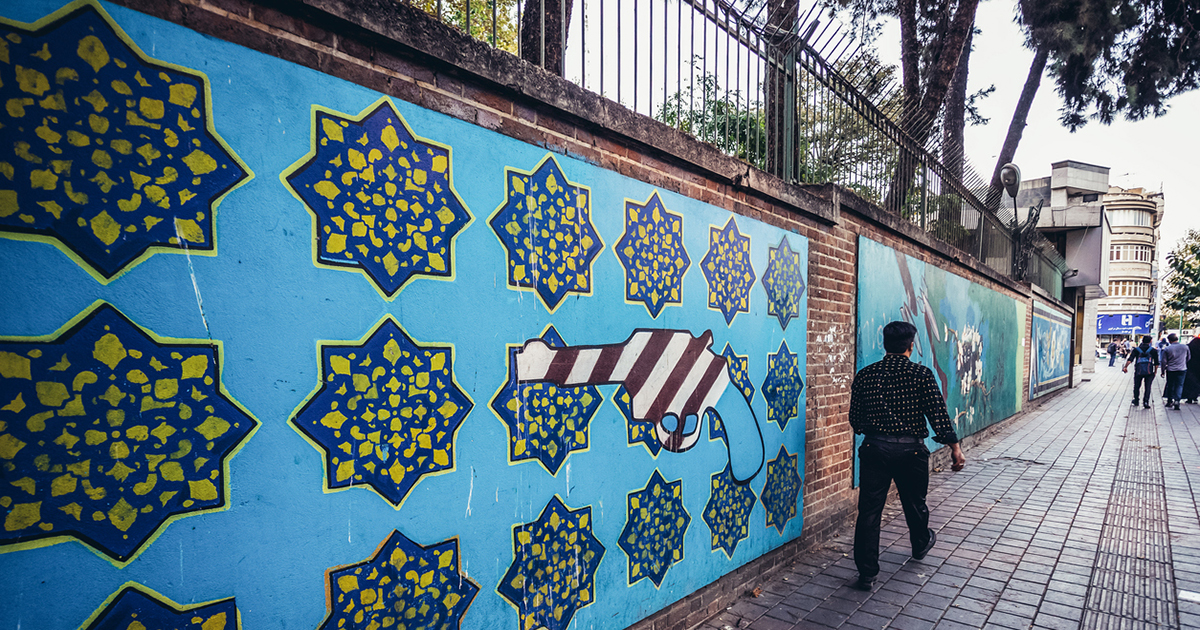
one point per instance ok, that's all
(727, 512)
(109, 153)
(404, 585)
(655, 524)
(652, 252)
(636, 430)
(782, 489)
(386, 412)
(135, 607)
(728, 271)
(383, 198)
(554, 567)
(545, 422)
(545, 225)
(782, 387)
(784, 283)
(107, 433)
(739, 373)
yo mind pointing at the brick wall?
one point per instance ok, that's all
(393, 49)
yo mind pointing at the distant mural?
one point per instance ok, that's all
(113, 153)
(1050, 354)
(969, 335)
(107, 434)
(495, 387)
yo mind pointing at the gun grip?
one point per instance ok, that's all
(743, 437)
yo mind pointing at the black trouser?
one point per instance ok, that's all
(879, 463)
(1138, 379)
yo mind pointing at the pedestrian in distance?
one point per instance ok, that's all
(1145, 363)
(1191, 382)
(1112, 352)
(1175, 359)
(890, 402)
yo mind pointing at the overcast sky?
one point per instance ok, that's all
(1156, 154)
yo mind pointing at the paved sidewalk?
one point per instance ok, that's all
(1081, 514)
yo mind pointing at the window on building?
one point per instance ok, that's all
(1130, 218)
(1128, 288)
(1131, 253)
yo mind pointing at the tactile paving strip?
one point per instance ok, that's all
(1132, 585)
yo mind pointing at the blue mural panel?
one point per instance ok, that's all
(1050, 355)
(968, 334)
(320, 315)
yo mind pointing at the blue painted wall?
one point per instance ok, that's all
(1050, 357)
(358, 466)
(969, 335)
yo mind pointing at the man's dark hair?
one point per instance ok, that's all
(1147, 339)
(897, 336)
(1171, 337)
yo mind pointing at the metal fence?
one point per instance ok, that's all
(780, 88)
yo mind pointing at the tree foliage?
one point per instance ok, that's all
(834, 142)
(455, 13)
(1182, 293)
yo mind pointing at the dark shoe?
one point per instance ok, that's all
(1167, 402)
(920, 555)
(1146, 406)
(1176, 407)
(863, 584)
(1134, 403)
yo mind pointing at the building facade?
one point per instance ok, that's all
(1072, 217)
(1135, 215)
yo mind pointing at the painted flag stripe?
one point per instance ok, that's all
(605, 365)
(715, 369)
(678, 375)
(715, 391)
(645, 396)
(694, 377)
(560, 366)
(584, 365)
(630, 353)
(644, 365)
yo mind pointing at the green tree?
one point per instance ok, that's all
(1182, 291)
(834, 142)
(480, 15)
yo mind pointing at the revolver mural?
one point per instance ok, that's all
(673, 380)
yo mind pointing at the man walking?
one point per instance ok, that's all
(890, 402)
(1174, 365)
(1112, 352)
(1145, 363)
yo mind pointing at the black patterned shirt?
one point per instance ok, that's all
(895, 397)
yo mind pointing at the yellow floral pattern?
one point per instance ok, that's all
(386, 412)
(105, 434)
